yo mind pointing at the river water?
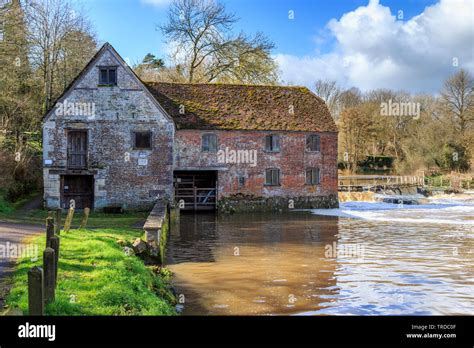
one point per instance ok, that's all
(365, 258)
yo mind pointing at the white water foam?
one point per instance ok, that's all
(445, 209)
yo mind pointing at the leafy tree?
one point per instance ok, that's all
(456, 157)
(152, 62)
(19, 121)
(151, 68)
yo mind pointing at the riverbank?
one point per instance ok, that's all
(97, 277)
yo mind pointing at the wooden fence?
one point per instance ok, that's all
(350, 183)
(375, 182)
(42, 281)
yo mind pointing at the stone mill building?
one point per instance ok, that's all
(114, 141)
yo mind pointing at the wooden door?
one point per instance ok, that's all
(80, 188)
(77, 149)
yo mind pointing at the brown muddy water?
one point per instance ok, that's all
(384, 260)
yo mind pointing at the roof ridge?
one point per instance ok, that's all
(220, 84)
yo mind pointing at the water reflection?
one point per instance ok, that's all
(253, 264)
(308, 264)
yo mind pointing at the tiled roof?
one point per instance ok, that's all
(246, 107)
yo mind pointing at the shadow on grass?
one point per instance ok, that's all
(95, 277)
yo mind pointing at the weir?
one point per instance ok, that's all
(377, 183)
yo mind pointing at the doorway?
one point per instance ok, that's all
(80, 188)
(196, 189)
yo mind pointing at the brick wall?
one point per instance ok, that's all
(292, 160)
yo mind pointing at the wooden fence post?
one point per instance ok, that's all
(55, 247)
(49, 230)
(35, 291)
(67, 223)
(85, 217)
(49, 274)
(57, 224)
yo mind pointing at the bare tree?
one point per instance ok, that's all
(207, 52)
(330, 92)
(50, 22)
(350, 98)
(458, 96)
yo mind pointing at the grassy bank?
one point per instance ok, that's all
(96, 277)
(16, 213)
(96, 219)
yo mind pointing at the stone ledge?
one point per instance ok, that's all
(154, 224)
(156, 217)
(247, 203)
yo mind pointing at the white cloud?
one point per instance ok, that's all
(375, 50)
(156, 2)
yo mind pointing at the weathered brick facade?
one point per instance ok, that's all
(292, 160)
(134, 178)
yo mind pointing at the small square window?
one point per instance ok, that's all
(272, 177)
(108, 76)
(209, 143)
(312, 176)
(272, 143)
(312, 142)
(241, 181)
(142, 140)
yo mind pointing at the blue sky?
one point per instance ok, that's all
(309, 40)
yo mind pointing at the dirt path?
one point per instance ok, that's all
(35, 203)
(11, 234)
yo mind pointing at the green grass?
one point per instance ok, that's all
(95, 277)
(13, 212)
(5, 207)
(96, 219)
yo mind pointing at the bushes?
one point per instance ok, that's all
(19, 190)
(21, 170)
(5, 207)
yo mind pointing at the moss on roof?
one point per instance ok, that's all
(243, 107)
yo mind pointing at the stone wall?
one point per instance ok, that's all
(162, 219)
(123, 176)
(247, 203)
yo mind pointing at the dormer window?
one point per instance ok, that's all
(108, 76)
